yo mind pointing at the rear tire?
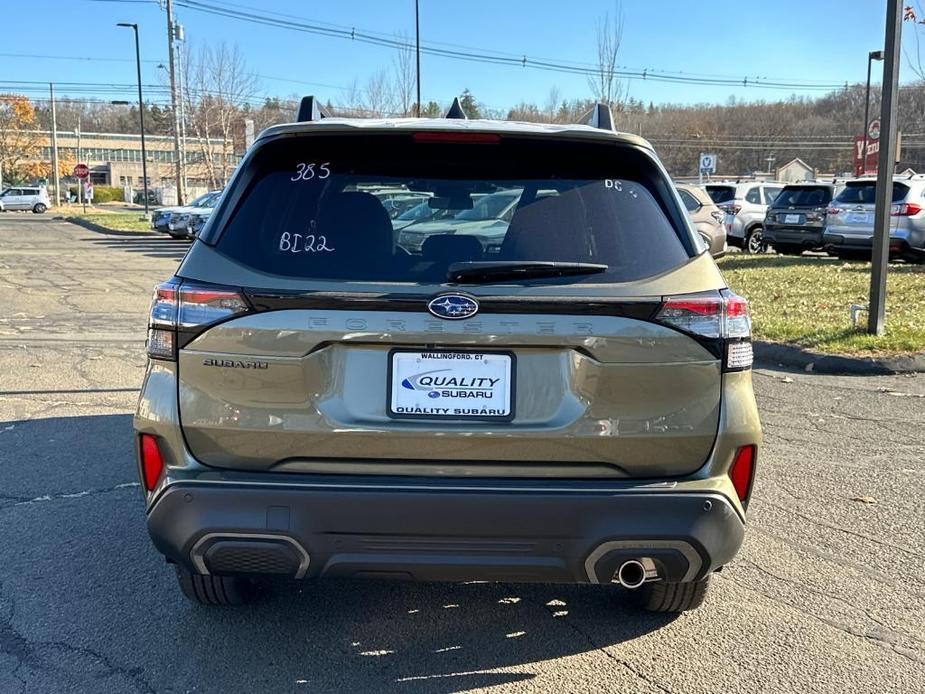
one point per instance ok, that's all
(754, 241)
(214, 590)
(660, 596)
(39, 208)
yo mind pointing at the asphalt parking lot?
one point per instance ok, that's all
(827, 596)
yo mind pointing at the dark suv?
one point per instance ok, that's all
(795, 221)
(566, 399)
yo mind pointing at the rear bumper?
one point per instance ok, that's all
(809, 237)
(898, 246)
(442, 532)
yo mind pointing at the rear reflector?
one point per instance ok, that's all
(152, 465)
(458, 138)
(743, 467)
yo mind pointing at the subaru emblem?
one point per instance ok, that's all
(453, 306)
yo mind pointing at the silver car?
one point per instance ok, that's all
(745, 205)
(32, 198)
(849, 229)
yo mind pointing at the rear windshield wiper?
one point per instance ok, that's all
(495, 270)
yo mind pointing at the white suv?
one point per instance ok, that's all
(745, 205)
(24, 198)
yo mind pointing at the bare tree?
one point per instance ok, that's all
(219, 86)
(916, 16)
(404, 76)
(378, 96)
(605, 84)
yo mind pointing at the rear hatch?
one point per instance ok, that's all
(800, 205)
(545, 349)
(852, 210)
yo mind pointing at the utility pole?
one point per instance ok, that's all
(171, 30)
(181, 38)
(54, 146)
(880, 255)
(80, 184)
(417, 51)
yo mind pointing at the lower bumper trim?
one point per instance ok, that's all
(442, 535)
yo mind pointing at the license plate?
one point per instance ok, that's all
(859, 218)
(442, 384)
(792, 218)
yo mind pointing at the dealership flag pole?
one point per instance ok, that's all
(886, 163)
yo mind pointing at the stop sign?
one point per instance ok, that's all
(81, 171)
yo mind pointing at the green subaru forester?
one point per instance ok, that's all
(448, 349)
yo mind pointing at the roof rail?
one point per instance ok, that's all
(599, 116)
(311, 110)
(456, 110)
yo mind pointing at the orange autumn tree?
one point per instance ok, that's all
(20, 140)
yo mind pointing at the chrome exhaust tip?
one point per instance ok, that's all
(634, 572)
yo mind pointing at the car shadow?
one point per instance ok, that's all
(80, 578)
(154, 247)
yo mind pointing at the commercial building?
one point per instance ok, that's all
(115, 159)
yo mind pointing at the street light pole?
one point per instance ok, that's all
(880, 253)
(873, 55)
(54, 146)
(141, 113)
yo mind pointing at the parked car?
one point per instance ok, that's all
(486, 219)
(575, 408)
(795, 220)
(196, 222)
(745, 205)
(849, 229)
(34, 198)
(706, 216)
(172, 220)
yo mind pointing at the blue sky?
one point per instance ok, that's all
(792, 40)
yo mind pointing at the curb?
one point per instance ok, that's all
(92, 226)
(776, 354)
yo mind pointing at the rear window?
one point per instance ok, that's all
(319, 207)
(719, 194)
(863, 193)
(804, 196)
(691, 204)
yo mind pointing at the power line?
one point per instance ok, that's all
(479, 56)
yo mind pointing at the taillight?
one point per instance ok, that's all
(730, 208)
(720, 318)
(181, 309)
(832, 210)
(742, 471)
(905, 209)
(152, 464)
(718, 216)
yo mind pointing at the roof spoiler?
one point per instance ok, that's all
(456, 110)
(311, 110)
(598, 117)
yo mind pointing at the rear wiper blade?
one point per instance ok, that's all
(494, 270)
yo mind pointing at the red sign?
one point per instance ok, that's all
(865, 164)
(81, 171)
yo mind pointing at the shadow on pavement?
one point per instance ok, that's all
(165, 247)
(89, 603)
